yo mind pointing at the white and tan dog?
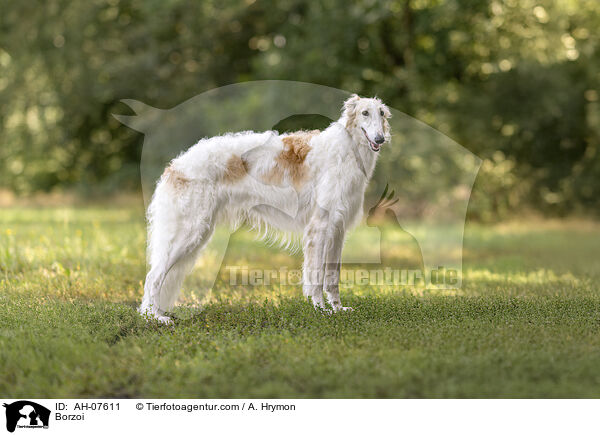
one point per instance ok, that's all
(220, 179)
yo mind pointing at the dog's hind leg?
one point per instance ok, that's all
(176, 238)
(163, 284)
(166, 276)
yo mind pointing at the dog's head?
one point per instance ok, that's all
(367, 121)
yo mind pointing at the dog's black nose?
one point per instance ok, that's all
(379, 139)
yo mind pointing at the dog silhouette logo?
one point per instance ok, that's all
(26, 414)
(429, 176)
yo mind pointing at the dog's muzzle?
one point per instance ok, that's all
(375, 145)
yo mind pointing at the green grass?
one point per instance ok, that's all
(526, 322)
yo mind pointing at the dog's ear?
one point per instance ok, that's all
(350, 110)
(386, 125)
(386, 111)
(350, 103)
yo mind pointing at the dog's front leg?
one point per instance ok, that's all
(333, 265)
(315, 237)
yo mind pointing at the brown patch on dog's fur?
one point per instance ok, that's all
(274, 176)
(236, 169)
(290, 160)
(175, 178)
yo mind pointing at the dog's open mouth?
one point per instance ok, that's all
(374, 146)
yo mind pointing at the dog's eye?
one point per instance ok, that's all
(366, 113)
(381, 112)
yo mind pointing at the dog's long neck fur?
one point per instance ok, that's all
(365, 158)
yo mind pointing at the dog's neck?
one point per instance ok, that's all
(364, 156)
(367, 156)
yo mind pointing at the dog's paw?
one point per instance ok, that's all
(150, 314)
(340, 309)
(165, 320)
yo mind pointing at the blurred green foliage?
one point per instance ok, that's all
(514, 81)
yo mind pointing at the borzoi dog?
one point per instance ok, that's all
(219, 179)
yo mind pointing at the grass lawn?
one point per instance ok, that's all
(526, 322)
